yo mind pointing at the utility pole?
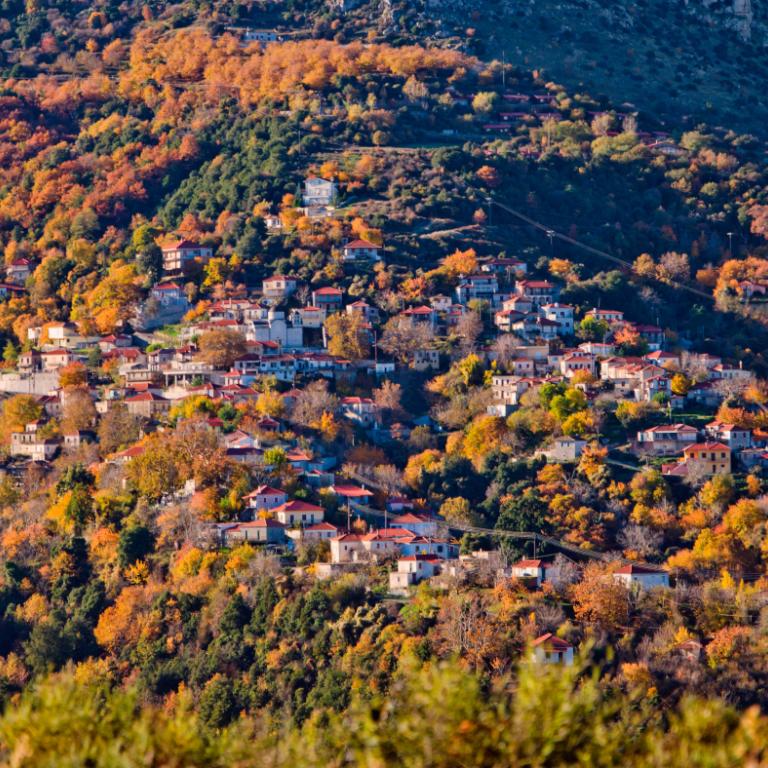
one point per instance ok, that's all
(551, 236)
(730, 244)
(503, 70)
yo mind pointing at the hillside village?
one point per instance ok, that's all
(362, 386)
(284, 378)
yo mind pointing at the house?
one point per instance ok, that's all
(29, 443)
(319, 193)
(310, 533)
(347, 548)
(411, 569)
(278, 287)
(506, 319)
(538, 292)
(715, 457)
(262, 36)
(29, 361)
(264, 497)
(562, 314)
(168, 293)
(328, 298)
(504, 266)
(425, 360)
(420, 316)
(353, 494)
(566, 449)
(254, 532)
(666, 439)
(734, 436)
(309, 317)
(421, 525)
(363, 309)
(637, 576)
(18, 271)
(508, 389)
(575, 362)
(297, 513)
(53, 359)
(182, 254)
(360, 250)
(551, 649)
(531, 569)
(78, 438)
(668, 360)
(722, 372)
(62, 334)
(360, 409)
(147, 405)
(608, 316)
(652, 334)
(480, 287)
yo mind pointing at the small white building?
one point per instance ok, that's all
(29, 443)
(531, 569)
(566, 449)
(360, 250)
(551, 649)
(265, 497)
(412, 569)
(636, 577)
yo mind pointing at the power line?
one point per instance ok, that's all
(554, 234)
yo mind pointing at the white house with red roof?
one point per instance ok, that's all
(265, 497)
(577, 361)
(363, 308)
(311, 533)
(360, 409)
(18, 271)
(551, 649)
(538, 292)
(641, 576)
(420, 316)
(297, 513)
(361, 250)
(735, 436)
(168, 293)
(531, 569)
(421, 525)
(609, 316)
(666, 439)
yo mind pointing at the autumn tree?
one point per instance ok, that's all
(312, 402)
(117, 429)
(221, 347)
(19, 410)
(599, 599)
(401, 338)
(348, 336)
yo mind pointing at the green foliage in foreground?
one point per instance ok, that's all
(438, 716)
